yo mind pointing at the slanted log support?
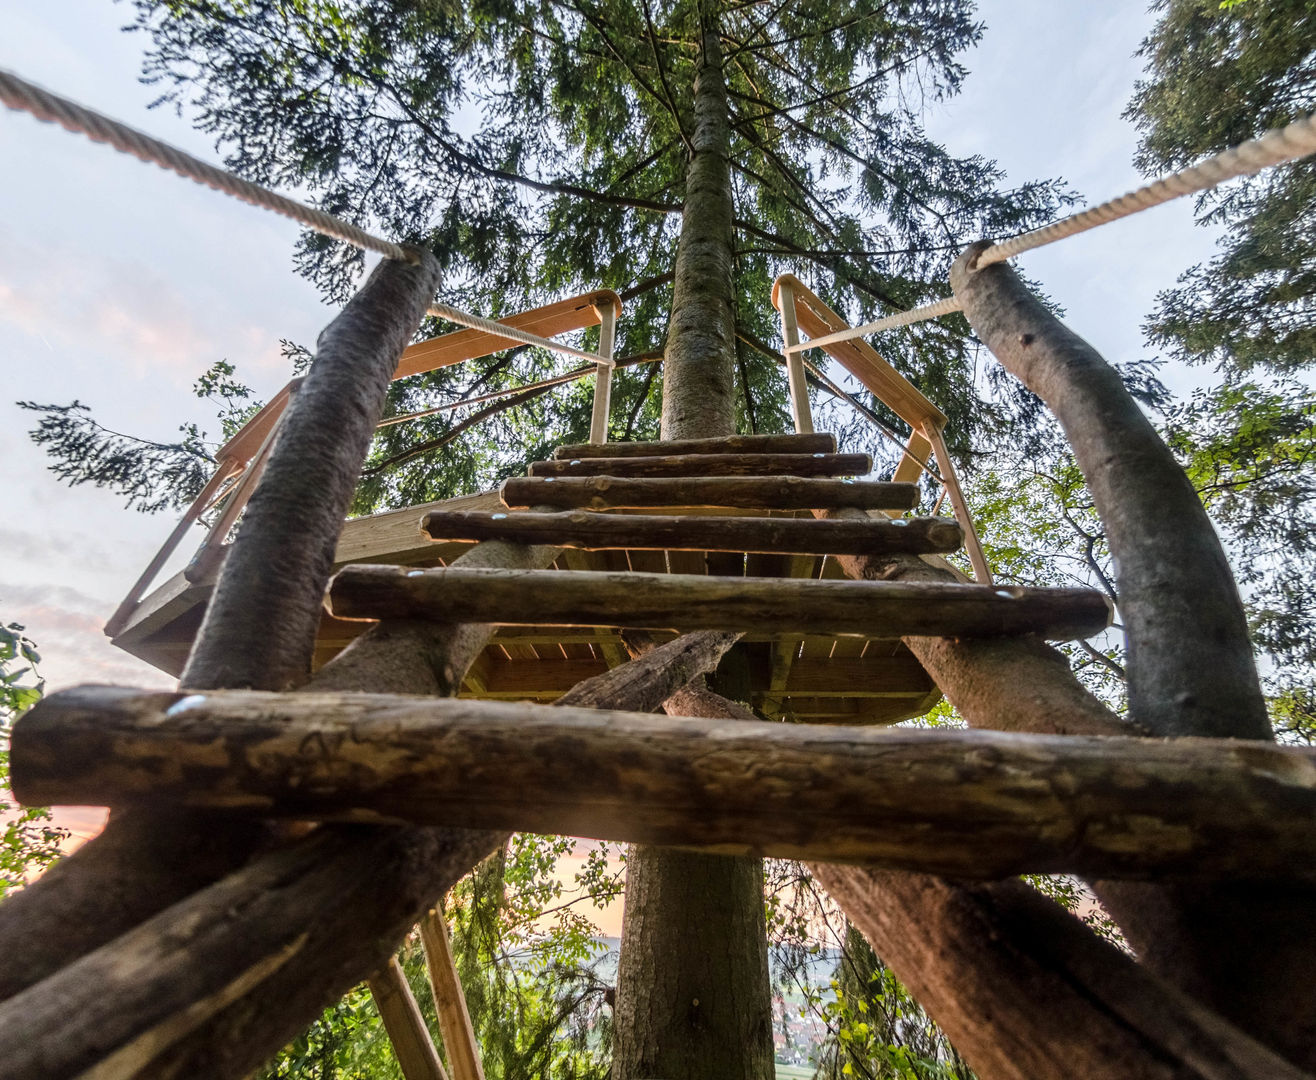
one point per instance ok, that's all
(968, 804)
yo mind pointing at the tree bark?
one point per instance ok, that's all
(973, 804)
(693, 997)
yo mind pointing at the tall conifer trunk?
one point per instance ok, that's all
(693, 997)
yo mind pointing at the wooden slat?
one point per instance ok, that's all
(710, 465)
(597, 532)
(752, 493)
(821, 443)
(412, 1044)
(548, 321)
(689, 602)
(859, 358)
(961, 803)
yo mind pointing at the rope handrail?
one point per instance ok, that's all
(24, 96)
(1275, 147)
(489, 326)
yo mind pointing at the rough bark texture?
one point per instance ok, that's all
(649, 680)
(1025, 992)
(1172, 574)
(693, 998)
(968, 804)
(753, 493)
(289, 925)
(259, 638)
(698, 602)
(722, 444)
(698, 532)
(1246, 951)
(259, 628)
(699, 397)
(709, 465)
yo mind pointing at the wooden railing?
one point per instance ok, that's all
(802, 310)
(241, 460)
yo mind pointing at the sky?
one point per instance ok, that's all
(121, 283)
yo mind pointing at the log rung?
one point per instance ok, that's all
(693, 602)
(668, 465)
(792, 536)
(748, 493)
(819, 443)
(962, 803)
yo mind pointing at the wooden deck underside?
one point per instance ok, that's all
(807, 678)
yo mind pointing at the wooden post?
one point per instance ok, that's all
(449, 1001)
(799, 387)
(598, 428)
(981, 571)
(412, 1044)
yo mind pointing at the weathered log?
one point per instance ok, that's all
(412, 1044)
(449, 1001)
(647, 681)
(750, 493)
(724, 444)
(1172, 573)
(971, 804)
(694, 602)
(290, 924)
(710, 465)
(656, 532)
(1026, 992)
(259, 628)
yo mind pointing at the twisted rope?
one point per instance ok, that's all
(475, 322)
(1273, 148)
(22, 95)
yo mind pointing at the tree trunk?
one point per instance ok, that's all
(693, 998)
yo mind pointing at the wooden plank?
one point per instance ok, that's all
(858, 357)
(412, 1044)
(960, 803)
(710, 465)
(449, 1001)
(820, 443)
(548, 321)
(689, 602)
(597, 532)
(752, 493)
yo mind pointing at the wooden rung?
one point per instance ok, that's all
(653, 532)
(886, 609)
(819, 464)
(978, 804)
(744, 492)
(728, 444)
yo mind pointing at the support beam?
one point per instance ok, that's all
(665, 532)
(412, 1044)
(750, 493)
(969, 804)
(692, 602)
(710, 465)
(449, 1001)
(821, 443)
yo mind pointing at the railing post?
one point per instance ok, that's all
(598, 430)
(799, 389)
(981, 571)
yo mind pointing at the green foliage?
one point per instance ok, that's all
(1216, 78)
(29, 842)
